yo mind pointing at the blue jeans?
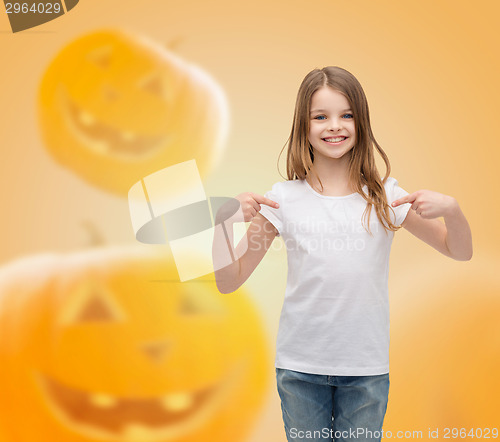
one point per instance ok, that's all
(332, 408)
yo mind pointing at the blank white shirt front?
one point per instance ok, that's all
(335, 314)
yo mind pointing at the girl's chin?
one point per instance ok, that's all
(334, 155)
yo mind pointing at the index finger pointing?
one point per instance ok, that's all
(406, 199)
(263, 200)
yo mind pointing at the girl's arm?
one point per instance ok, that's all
(232, 267)
(453, 238)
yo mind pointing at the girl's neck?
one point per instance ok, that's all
(334, 176)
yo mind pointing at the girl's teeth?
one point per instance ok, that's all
(334, 140)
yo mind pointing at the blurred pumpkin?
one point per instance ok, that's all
(114, 107)
(445, 353)
(106, 344)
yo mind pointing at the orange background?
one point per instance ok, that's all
(430, 72)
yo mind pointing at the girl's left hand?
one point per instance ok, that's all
(428, 204)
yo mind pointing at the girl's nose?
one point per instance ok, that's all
(335, 125)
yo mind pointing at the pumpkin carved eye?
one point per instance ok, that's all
(109, 92)
(96, 310)
(101, 57)
(90, 305)
(194, 303)
(188, 307)
(153, 84)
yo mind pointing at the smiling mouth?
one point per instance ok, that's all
(334, 143)
(104, 139)
(132, 419)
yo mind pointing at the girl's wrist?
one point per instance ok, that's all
(452, 208)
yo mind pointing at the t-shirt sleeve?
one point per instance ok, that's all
(274, 216)
(394, 192)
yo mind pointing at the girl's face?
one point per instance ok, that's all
(331, 118)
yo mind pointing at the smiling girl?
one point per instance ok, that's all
(332, 352)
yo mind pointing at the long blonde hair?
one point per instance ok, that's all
(362, 167)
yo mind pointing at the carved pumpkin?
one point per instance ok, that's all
(107, 345)
(114, 107)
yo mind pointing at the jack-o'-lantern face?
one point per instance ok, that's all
(114, 107)
(110, 347)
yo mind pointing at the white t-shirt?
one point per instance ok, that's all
(335, 314)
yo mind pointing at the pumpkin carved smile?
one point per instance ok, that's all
(104, 139)
(129, 418)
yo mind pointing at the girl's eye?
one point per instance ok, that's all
(349, 115)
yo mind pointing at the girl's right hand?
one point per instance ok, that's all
(250, 204)
(243, 208)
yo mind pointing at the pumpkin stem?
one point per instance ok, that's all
(172, 44)
(96, 238)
